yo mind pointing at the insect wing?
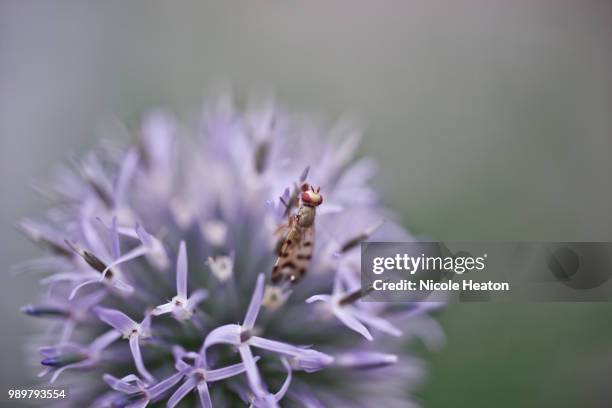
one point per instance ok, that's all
(294, 258)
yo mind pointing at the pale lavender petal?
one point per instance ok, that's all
(312, 361)
(283, 390)
(135, 348)
(69, 277)
(80, 286)
(251, 371)
(120, 385)
(104, 340)
(163, 309)
(158, 135)
(181, 271)
(306, 359)
(196, 297)
(122, 287)
(182, 366)
(134, 378)
(226, 372)
(319, 298)
(88, 301)
(57, 350)
(228, 334)
(255, 305)
(116, 319)
(204, 395)
(133, 254)
(67, 330)
(128, 167)
(182, 391)
(365, 359)
(377, 323)
(114, 236)
(143, 235)
(145, 326)
(337, 288)
(56, 373)
(163, 386)
(275, 346)
(351, 322)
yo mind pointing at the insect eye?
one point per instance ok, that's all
(305, 187)
(306, 196)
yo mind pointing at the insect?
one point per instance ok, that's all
(296, 250)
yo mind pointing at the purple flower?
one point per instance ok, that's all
(199, 375)
(181, 306)
(135, 393)
(70, 313)
(342, 305)
(66, 356)
(271, 400)
(242, 337)
(111, 276)
(225, 190)
(130, 330)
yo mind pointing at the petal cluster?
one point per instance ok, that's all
(159, 255)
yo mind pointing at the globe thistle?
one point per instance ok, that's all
(160, 259)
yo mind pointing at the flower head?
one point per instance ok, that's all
(181, 306)
(226, 195)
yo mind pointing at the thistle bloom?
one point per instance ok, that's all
(128, 218)
(181, 306)
(130, 330)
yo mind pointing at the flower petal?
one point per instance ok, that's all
(135, 348)
(283, 390)
(196, 297)
(228, 334)
(251, 371)
(128, 167)
(181, 392)
(104, 340)
(226, 372)
(306, 359)
(133, 254)
(163, 309)
(318, 298)
(181, 271)
(56, 373)
(365, 359)
(351, 322)
(116, 319)
(114, 238)
(255, 304)
(120, 385)
(80, 286)
(163, 386)
(204, 395)
(377, 323)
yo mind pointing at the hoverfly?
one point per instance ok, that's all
(296, 245)
(296, 249)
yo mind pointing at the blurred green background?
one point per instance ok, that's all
(491, 120)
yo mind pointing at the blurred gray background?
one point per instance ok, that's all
(491, 120)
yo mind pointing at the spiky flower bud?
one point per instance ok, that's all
(160, 262)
